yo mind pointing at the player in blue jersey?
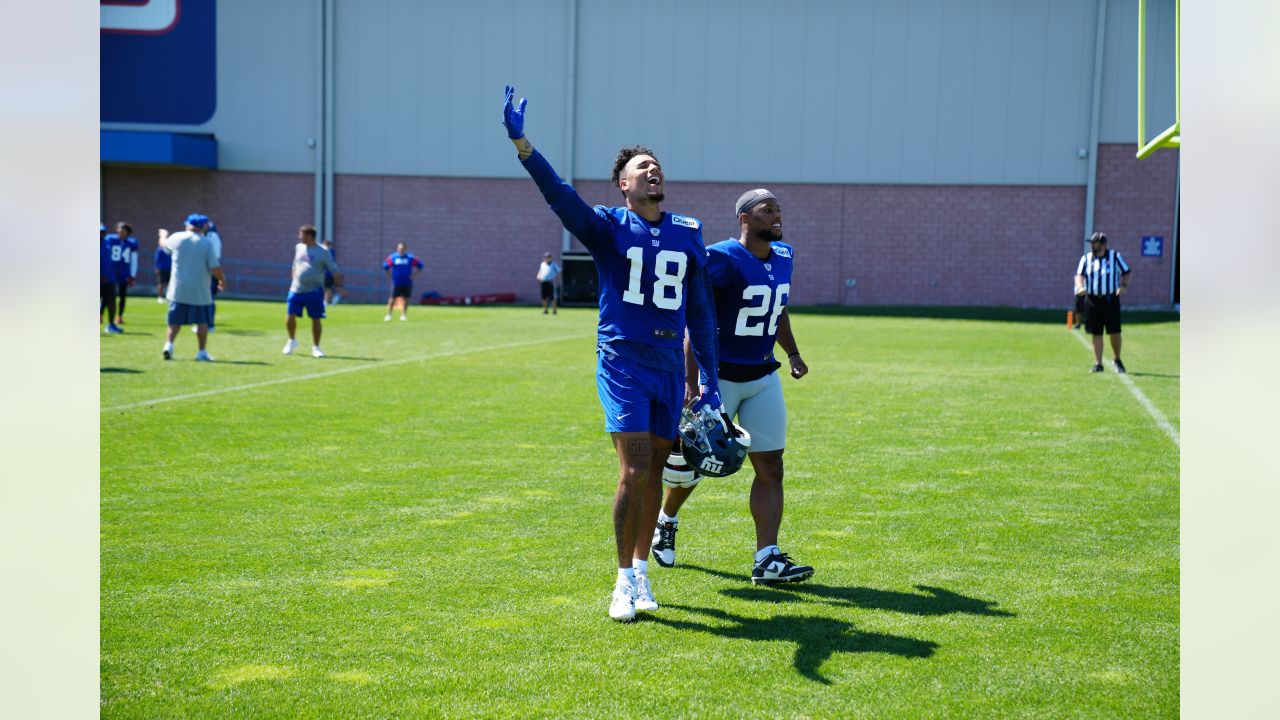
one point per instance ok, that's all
(652, 270)
(124, 265)
(163, 264)
(752, 280)
(401, 268)
(106, 278)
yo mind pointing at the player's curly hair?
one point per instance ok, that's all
(624, 157)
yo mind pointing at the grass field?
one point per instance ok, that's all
(419, 526)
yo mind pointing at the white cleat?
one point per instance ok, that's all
(160, 301)
(290, 346)
(316, 351)
(623, 606)
(644, 595)
(386, 318)
(403, 318)
(204, 356)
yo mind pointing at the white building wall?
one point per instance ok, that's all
(815, 91)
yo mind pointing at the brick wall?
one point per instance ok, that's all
(902, 244)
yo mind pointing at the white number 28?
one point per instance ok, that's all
(751, 316)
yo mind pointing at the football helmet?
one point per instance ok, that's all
(711, 443)
(676, 472)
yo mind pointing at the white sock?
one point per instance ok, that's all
(626, 575)
(663, 517)
(640, 567)
(766, 552)
(168, 346)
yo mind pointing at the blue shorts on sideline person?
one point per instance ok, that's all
(184, 314)
(312, 300)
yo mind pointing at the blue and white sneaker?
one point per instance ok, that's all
(778, 568)
(113, 329)
(664, 544)
(623, 606)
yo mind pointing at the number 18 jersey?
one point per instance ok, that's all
(750, 295)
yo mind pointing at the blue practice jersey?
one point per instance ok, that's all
(645, 269)
(163, 260)
(120, 254)
(750, 296)
(104, 259)
(401, 267)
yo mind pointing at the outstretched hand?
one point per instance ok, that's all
(513, 115)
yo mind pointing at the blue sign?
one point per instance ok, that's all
(1152, 246)
(158, 61)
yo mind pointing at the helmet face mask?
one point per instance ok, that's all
(712, 445)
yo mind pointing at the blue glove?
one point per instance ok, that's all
(512, 116)
(710, 398)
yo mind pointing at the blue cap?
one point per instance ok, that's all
(197, 220)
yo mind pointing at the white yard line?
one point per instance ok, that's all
(1155, 413)
(327, 373)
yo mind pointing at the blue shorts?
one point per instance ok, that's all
(637, 398)
(184, 314)
(312, 300)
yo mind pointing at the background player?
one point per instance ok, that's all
(401, 268)
(311, 263)
(106, 280)
(752, 281)
(652, 270)
(124, 265)
(164, 264)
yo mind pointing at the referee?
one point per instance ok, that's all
(1101, 278)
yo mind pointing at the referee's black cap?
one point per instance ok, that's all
(1098, 237)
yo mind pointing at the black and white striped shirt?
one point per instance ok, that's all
(1102, 274)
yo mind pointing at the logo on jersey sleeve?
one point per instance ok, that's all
(782, 251)
(685, 221)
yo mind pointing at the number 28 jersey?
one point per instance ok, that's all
(750, 296)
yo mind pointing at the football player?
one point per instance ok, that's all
(401, 267)
(752, 280)
(108, 245)
(124, 264)
(653, 281)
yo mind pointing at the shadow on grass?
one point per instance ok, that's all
(816, 638)
(931, 601)
(1002, 314)
(120, 371)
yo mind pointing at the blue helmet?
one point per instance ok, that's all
(712, 444)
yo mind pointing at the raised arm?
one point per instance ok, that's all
(576, 216)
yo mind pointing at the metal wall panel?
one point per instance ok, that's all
(419, 84)
(864, 91)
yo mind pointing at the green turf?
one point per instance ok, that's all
(419, 526)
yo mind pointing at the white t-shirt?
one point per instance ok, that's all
(548, 271)
(193, 257)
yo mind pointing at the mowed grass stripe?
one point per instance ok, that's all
(339, 371)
